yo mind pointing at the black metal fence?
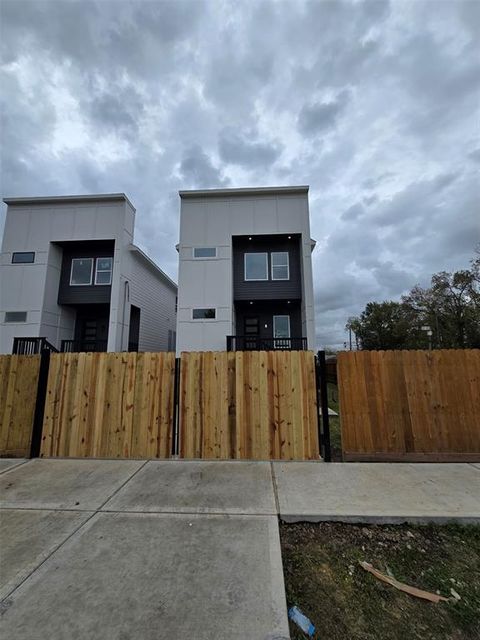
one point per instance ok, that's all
(31, 346)
(257, 343)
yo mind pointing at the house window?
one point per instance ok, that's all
(81, 273)
(203, 314)
(15, 316)
(23, 257)
(205, 252)
(256, 266)
(103, 271)
(281, 332)
(280, 266)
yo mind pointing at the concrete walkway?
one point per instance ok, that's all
(178, 549)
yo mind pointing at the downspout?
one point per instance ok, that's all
(126, 298)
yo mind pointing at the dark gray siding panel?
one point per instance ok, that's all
(93, 294)
(265, 312)
(272, 289)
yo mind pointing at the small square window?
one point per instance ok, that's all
(256, 266)
(103, 271)
(15, 316)
(203, 314)
(23, 257)
(81, 273)
(205, 252)
(280, 266)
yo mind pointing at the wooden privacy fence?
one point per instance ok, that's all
(18, 393)
(109, 405)
(410, 405)
(248, 405)
(245, 405)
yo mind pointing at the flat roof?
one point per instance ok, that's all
(103, 197)
(244, 191)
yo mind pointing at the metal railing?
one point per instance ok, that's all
(80, 346)
(257, 343)
(30, 346)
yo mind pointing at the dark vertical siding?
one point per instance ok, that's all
(269, 289)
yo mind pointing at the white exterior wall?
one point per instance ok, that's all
(148, 290)
(204, 283)
(34, 287)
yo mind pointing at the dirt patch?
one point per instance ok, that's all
(324, 579)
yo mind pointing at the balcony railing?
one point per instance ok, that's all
(30, 346)
(77, 346)
(257, 343)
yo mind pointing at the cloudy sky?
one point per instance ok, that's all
(374, 104)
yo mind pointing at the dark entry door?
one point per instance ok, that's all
(92, 333)
(251, 331)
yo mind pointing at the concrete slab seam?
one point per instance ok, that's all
(14, 466)
(275, 489)
(122, 485)
(93, 513)
(8, 595)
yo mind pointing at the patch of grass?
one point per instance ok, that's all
(335, 431)
(324, 579)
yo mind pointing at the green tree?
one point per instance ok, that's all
(450, 307)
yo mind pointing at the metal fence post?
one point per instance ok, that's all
(37, 426)
(175, 419)
(322, 366)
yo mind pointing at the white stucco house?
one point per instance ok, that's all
(70, 273)
(245, 270)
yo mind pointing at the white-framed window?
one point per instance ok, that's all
(281, 326)
(103, 271)
(256, 266)
(205, 252)
(280, 265)
(81, 272)
(204, 314)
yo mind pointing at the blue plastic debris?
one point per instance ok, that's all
(301, 620)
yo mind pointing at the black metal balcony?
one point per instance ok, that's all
(30, 346)
(257, 343)
(80, 346)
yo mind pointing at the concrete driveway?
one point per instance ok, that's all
(142, 550)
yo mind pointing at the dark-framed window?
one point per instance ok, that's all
(205, 252)
(81, 272)
(203, 314)
(23, 257)
(15, 316)
(103, 270)
(256, 266)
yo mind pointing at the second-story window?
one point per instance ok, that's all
(82, 270)
(103, 271)
(205, 252)
(280, 266)
(256, 266)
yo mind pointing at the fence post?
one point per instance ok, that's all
(176, 400)
(37, 426)
(322, 374)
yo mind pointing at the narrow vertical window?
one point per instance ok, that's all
(280, 266)
(103, 271)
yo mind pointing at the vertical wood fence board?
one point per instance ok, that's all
(109, 405)
(410, 404)
(18, 393)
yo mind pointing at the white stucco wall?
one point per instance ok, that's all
(211, 221)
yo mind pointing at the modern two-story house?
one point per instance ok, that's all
(70, 275)
(245, 270)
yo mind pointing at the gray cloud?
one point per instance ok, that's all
(371, 103)
(242, 150)
(321, 116)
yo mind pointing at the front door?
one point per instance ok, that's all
(251, 331)
(281, 332)
(93, 333)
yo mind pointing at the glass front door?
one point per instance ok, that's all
(281, 332)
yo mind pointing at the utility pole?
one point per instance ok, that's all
(350, 337)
